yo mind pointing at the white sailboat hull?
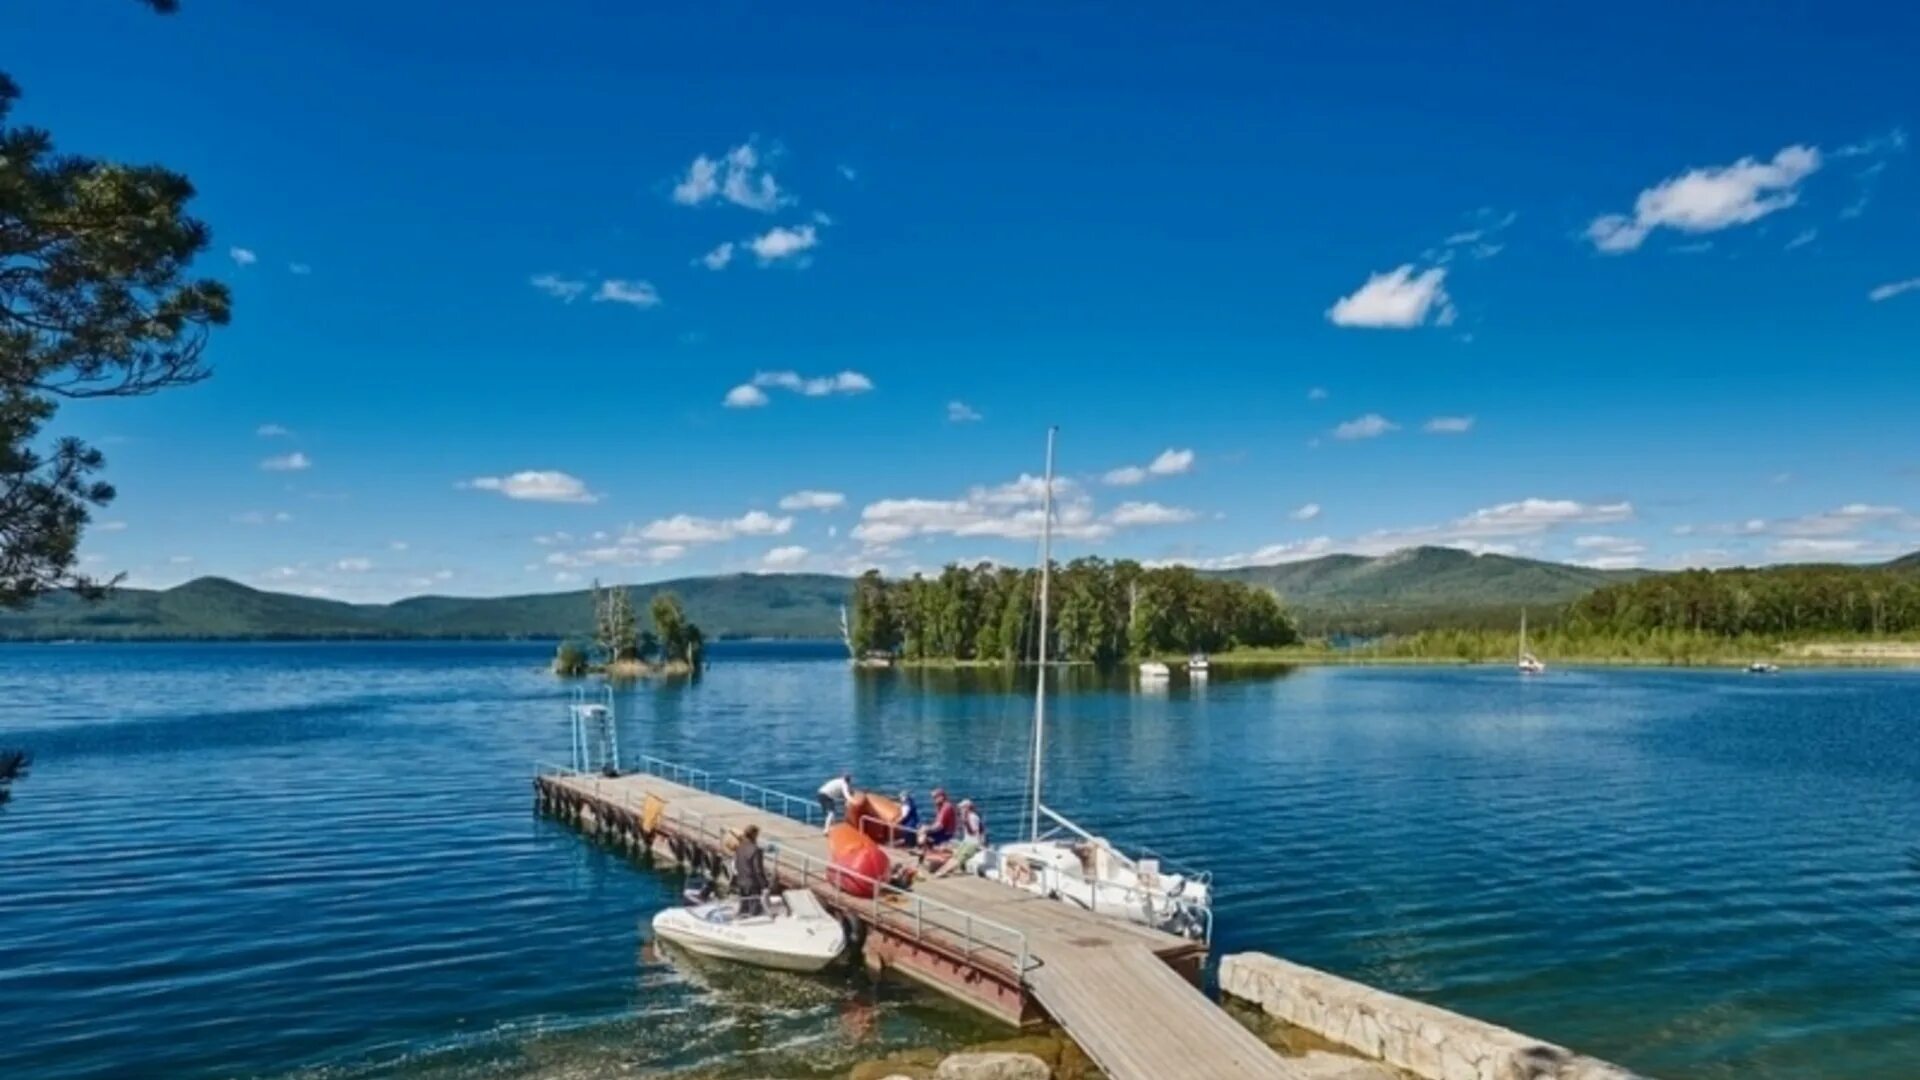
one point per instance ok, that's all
(799, 935)
(1093, 876)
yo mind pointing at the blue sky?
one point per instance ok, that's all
(1597, 286)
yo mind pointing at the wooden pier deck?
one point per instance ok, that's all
(1126, 993)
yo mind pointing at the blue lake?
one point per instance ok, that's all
(322, 860)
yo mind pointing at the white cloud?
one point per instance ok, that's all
(784, 558)
(398, 545)
(565, 289)
(1170, 462)
(702, 182)
(536, 485)
(1370, 426)
(745, 396)
(1803, 238)
(848, 172)
(719, 257)
(1396, 300)
(1610, 562)
(1448, 425)
(242, 256)
(354, 565)
(180, 560)
(1709, 199)
(625, 553)
(1318, 393)
(639, 294)
(813, 500)
(1009, 511)
(1893, 289)
(272, 431)
(294, 462)
(1846, 519)
(687, 529)
(781, 242)
(1817, 549)
(1148, 513)
(299, 268)
(752, 395)
(565, 577)
(1305, 512)
(1620, 545)
(262, 517)
(1490, 530)
(959, 412)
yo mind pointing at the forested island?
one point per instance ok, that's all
(620, 647)
(1101, 612)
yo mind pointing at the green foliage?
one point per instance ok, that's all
(1781, 601)
(94, 302)
(571, 659)
(1102, 612)
(679, 638)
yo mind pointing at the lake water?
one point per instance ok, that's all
(322, 860)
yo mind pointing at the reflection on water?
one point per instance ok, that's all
(255, 860)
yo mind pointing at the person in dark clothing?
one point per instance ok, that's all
(750, 873)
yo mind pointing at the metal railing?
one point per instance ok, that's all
(973, 935)
(684, 775)
(777, 802)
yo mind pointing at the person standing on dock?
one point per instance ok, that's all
(750, 873)
(835, 794)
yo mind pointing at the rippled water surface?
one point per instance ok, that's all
(322, 861)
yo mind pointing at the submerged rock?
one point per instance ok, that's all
(993, 1065)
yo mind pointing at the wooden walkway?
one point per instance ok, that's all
(1126, 993)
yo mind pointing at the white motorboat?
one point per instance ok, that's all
(792, 933)
(1198, 664)
(1069, 864)
(1763, 667)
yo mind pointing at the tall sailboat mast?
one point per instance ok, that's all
(1046, 580)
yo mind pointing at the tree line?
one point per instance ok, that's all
(1780, 601)
(1100, 612)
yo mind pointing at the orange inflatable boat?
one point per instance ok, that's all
(876, 815)
(849, 853)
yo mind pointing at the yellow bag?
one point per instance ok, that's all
(650, 813)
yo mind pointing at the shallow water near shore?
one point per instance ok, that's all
(322, 860)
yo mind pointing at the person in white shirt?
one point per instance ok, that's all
(835, 794)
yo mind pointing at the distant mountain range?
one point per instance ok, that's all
(1423, 586)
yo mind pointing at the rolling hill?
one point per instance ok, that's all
(736, 605)
(1426, 579)
(1415, 588)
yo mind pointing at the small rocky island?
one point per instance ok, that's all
(621, 649)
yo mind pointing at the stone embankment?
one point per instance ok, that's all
(1421, 1040)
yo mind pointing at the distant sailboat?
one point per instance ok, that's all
(1528, 663)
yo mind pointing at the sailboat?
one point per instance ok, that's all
(1528, 664)
(1066, 862)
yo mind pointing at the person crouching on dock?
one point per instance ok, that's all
(834, 795)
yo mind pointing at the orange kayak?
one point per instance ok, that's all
(854, 861)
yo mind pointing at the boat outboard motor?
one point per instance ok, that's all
(697, 890)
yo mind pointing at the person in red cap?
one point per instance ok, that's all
(945, 822)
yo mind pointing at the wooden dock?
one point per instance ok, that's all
(1126, 993)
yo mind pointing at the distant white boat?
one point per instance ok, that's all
(1198, 664)
(794, 933)
(1528, 664)
(1762, 667)
(1154, 669)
